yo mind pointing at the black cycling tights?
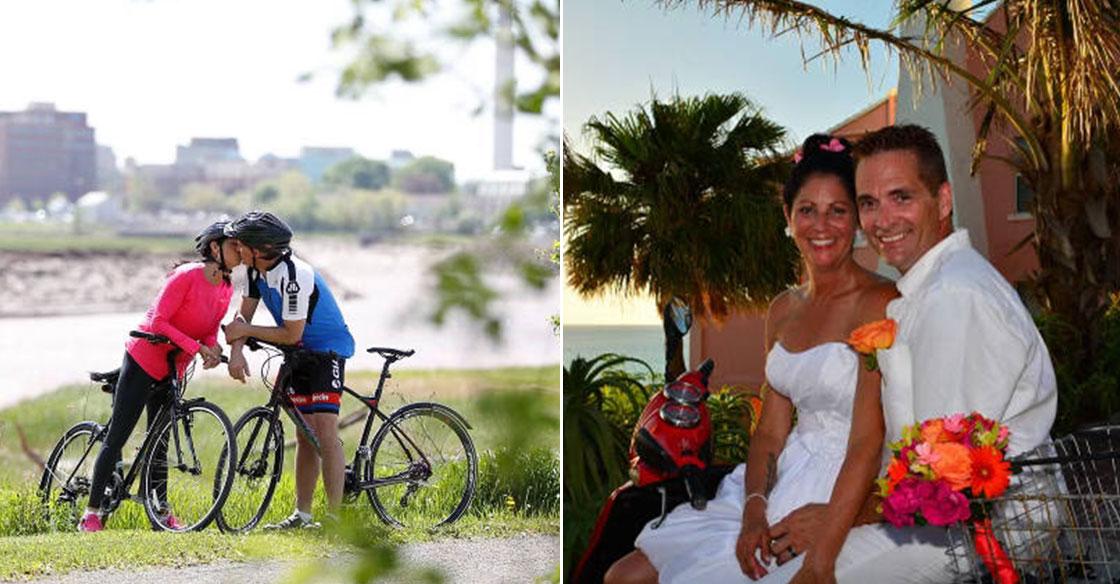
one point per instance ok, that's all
(134, 391)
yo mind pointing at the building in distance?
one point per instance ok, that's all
(44, 151)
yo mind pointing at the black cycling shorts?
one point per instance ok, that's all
(316, 385)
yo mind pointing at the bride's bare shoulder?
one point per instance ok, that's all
(784, 302)
(780, 309)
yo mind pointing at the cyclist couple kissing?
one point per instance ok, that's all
(189, 309)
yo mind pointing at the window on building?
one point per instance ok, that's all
(1024, 195)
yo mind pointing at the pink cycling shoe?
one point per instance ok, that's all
(90, 522)
(172, 522)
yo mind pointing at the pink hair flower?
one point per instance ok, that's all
(834, 145)
(797, 157)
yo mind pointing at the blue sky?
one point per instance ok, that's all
(615, 52)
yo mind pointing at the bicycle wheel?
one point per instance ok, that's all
(196, 444)
(260, 462)
(66, 479)
(423, 466)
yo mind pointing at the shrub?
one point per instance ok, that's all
(734, 412)
(22, 513)
(1085, 396)
(530, 486)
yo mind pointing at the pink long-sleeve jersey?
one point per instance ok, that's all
(188, 311)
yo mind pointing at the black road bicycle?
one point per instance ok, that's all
(419, 469)
(183, 465)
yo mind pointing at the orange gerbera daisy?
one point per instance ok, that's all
(895, 473)
(990, 472)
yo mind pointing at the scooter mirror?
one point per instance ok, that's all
(678, 313)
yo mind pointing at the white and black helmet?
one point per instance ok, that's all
(261, 231)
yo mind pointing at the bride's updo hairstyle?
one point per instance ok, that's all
(822, 154)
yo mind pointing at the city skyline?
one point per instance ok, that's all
(153, 75)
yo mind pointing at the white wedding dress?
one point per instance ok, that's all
(699, 546)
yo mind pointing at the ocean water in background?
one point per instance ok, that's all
(645, 342)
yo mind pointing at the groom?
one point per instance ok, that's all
(965, 343)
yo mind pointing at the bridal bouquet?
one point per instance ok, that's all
(937, 467)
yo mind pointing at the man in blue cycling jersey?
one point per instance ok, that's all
(307, 315)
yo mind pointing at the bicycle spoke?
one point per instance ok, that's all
(261, 447)
(65, 485)
(191, 493)
(422, 469)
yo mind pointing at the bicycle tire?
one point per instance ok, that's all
(428, 497)
(260, 463)
(193, 504)
(63, 504)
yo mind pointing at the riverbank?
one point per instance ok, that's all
(384, 291)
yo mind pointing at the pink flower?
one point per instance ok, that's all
(941, 505)
(1003, 433)
(834, 145)
(954, 423)
(925, 453)
(900, 506)
(797, 157)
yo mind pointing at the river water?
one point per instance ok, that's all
(388, 304)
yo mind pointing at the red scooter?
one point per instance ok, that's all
(670, 463)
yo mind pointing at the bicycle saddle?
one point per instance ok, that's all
(394, 354)
(108, 379)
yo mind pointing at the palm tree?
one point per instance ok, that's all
(686, 206)
(1052, 88)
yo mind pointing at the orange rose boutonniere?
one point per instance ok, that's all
(871, 337)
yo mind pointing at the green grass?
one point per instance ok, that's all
(44, 419)
(518, 488)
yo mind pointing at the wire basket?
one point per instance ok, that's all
(1059, 521)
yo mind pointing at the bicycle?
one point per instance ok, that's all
(419, 469)
(193, 437)
(1059, 521)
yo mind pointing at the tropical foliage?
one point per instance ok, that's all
(679, 199)
(602, 403)
(598, 394)
(734, 411)
(1052, 91)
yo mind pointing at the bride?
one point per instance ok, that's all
(798, 479)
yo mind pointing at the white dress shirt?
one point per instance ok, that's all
(966, 343)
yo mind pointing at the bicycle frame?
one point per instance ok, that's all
(280, 400)
(175, 384)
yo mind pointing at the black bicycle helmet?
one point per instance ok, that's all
(261, 231)
(213, 232)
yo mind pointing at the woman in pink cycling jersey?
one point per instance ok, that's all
(188, 310)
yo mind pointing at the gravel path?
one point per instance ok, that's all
(518, 560)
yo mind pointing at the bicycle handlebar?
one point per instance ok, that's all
(150, 337)
(256, 344)
(160, 339)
